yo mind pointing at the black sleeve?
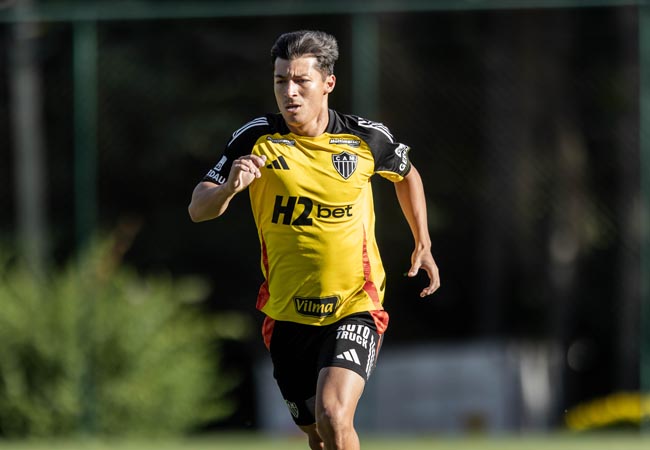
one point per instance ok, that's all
(391, 157)
(241, 143)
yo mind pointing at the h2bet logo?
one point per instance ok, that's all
(298, 211)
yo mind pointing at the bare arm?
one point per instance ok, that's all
(210, 200)
(410, 194)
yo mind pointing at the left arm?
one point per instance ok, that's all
(410, 194)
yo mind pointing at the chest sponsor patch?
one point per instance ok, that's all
(341, 141)
(289, 142)
(316, 307)
(345, 164)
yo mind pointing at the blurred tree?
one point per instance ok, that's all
(29, 141)
(98, 348)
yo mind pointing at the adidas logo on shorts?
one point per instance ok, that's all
(349, 355)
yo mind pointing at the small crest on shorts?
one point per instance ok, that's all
(345, 164)
(293, 408)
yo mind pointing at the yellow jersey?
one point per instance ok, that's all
(314, 213)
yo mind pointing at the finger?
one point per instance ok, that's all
(427, 291)
(434, 283)
(258, 160)
(415, 267)
(249, 166)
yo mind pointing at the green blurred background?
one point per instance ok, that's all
(529, 122)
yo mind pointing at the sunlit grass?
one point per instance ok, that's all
(298, 442)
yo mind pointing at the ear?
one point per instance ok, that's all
(330, 82)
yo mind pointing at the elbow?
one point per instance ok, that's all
(206, 203)
(198, 214)
(194, 214)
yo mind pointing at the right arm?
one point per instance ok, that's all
(210, 200)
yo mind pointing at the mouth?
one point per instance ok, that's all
(292, 107)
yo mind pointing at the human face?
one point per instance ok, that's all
(301, 92)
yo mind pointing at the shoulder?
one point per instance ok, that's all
(371, 131)
(248, 133)
(391, 156)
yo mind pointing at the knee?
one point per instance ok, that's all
(314, 439)
(334, 420)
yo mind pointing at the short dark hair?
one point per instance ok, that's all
(321, 45)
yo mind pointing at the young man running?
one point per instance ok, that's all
(308, 170)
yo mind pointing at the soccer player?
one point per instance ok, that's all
(307, 170)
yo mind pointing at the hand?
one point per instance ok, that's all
(422, 259)
(244, 171)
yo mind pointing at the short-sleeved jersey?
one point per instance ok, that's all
(314, 213)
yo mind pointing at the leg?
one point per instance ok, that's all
(315, 441)
(294, 352)
(337, 396)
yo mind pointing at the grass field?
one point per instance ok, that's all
(261, 442)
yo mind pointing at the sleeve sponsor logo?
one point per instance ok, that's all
(214, 176)
(402, 152)
(214, 173)
(220, 164)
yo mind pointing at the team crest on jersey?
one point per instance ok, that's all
(345, 164)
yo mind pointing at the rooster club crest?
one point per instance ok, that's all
(295, 412)
(345, 163)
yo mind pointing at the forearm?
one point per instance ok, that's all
(410, 194)
(209, 201)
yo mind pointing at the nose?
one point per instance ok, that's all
(292, 88)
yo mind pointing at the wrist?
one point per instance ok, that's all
(229, 189)
(423, 244)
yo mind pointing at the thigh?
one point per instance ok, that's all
(352, 343)
(338, 393)
(294, 352)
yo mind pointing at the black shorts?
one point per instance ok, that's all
(299, 352)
